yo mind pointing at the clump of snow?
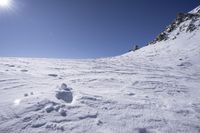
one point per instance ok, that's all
(62, 112)
(64, 93)
(49, 108)
(56, 107)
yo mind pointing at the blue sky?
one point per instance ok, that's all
(83, 28)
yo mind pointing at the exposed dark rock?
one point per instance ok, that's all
(136, 47)
(176, 24)
(191, 27)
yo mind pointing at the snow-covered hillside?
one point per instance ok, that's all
(155, 89)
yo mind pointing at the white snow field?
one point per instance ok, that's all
(155, 89)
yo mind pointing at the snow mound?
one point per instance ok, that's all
(64, 93)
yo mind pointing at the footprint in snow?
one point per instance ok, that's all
(142, 130)
(9, 65)
(24, 70)
(26, 94)
(185, 64)
(52, 75)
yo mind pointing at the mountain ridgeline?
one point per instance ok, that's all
(184, 22)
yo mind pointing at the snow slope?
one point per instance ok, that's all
(152, 90)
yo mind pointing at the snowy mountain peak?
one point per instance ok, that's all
(184, 23)
(196, 10)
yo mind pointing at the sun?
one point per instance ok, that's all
(5, 3)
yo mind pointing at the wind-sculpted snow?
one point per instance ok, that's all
(152, 90)
(105, 95)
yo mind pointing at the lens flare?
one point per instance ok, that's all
(5, 3)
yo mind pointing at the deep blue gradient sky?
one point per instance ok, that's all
(83, 28)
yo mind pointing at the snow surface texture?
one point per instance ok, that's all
(153, 90)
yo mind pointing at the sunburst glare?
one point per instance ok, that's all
(5, 3)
